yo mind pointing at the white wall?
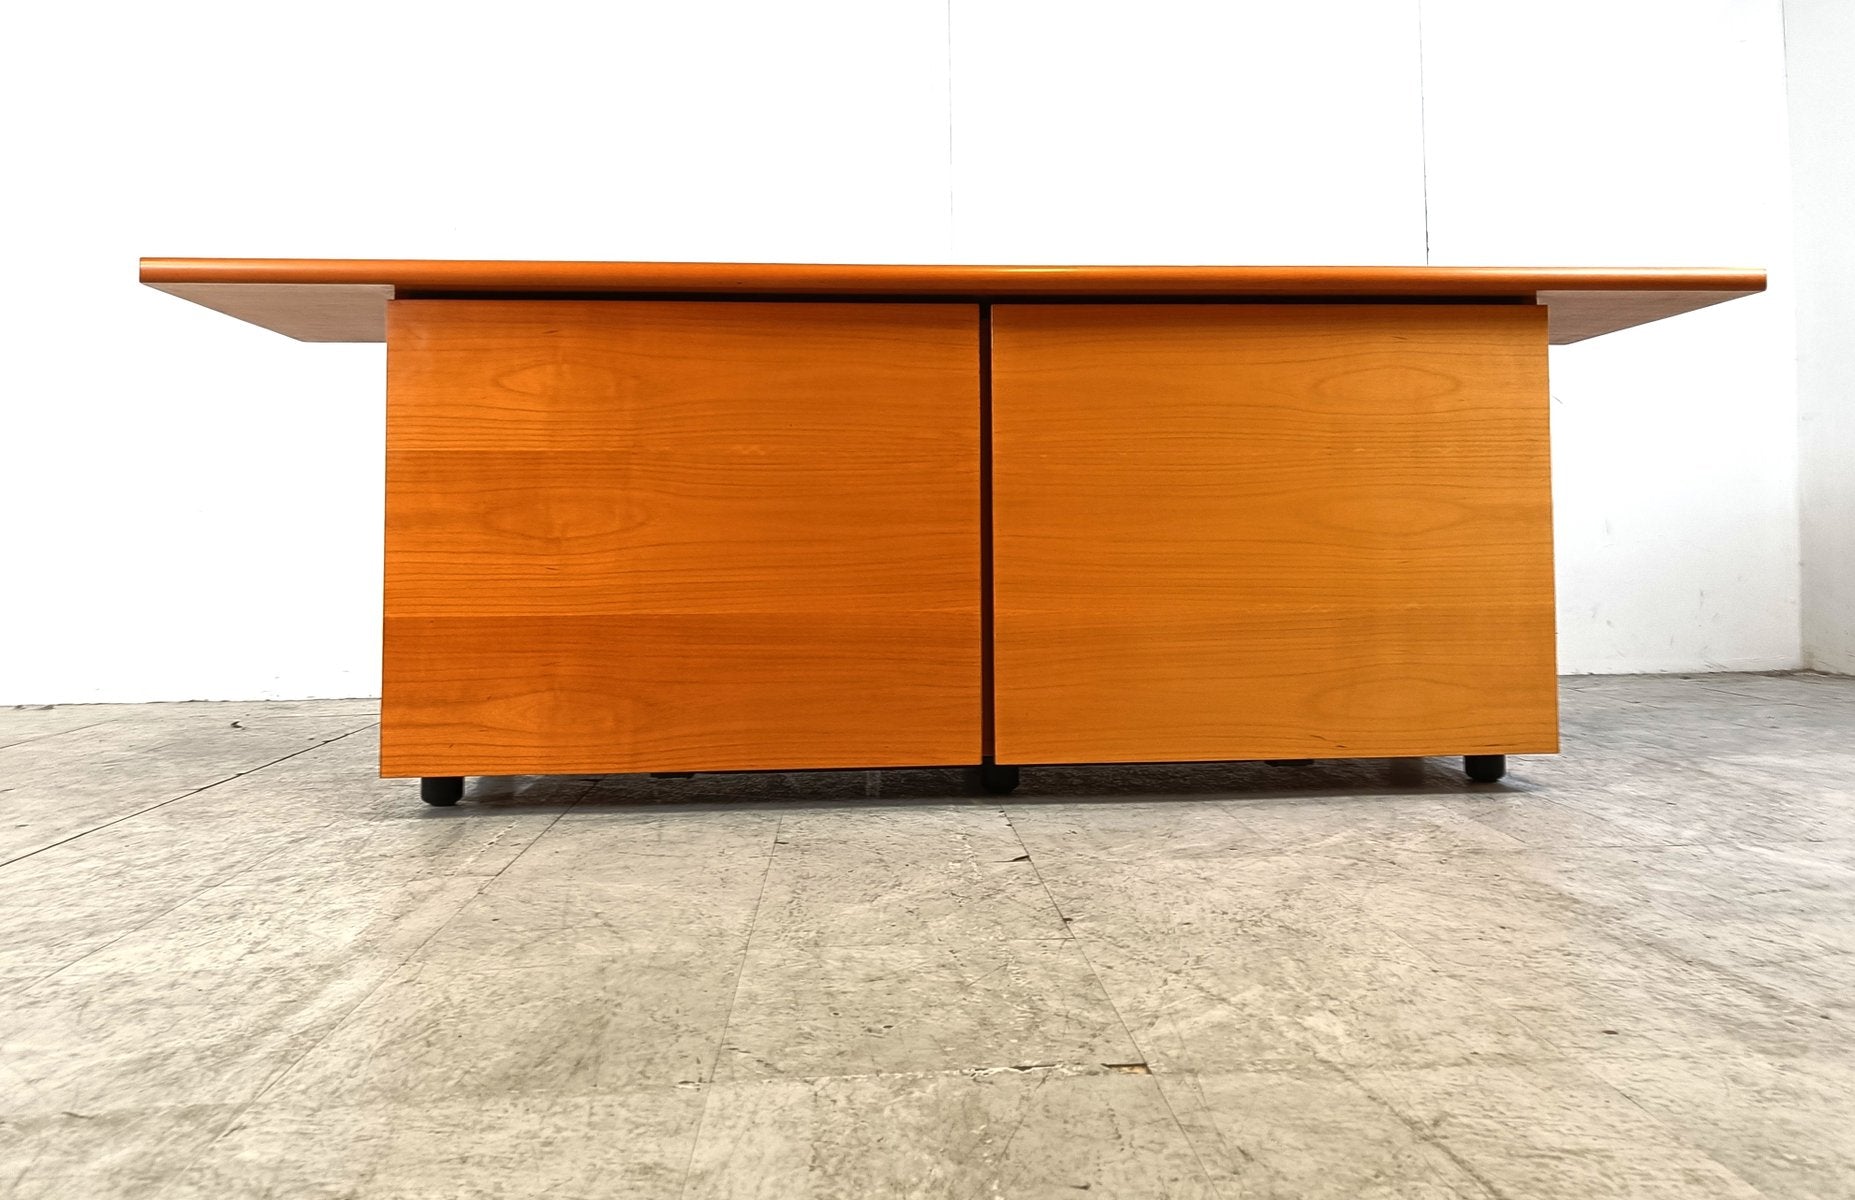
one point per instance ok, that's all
(193, 504)
(1648, 132)
(1819, 40)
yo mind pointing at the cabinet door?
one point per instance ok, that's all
(675, 536)
(1228, 531)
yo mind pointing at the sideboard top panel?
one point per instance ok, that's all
(344, 299)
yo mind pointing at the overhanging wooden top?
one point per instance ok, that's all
(344, 299)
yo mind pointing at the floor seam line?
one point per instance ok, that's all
(1673, 1132)
(178, 904)
(39, 737)
(1424, 1136)
(1030, 858)
(523, 853)
(187, 795)
(258, 1096)
(740, 970)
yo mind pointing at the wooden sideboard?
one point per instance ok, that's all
(684, 517)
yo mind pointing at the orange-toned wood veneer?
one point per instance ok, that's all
(344, 299)
(680, 536)
(1253, 531)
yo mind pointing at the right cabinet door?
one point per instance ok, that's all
(1228, 531)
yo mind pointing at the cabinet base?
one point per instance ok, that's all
(994, 779)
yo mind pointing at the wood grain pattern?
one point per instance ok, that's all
(662, 536)
(1271, 532)
(518, 695)
(328, 300)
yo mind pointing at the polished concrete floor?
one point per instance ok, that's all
(234, 964)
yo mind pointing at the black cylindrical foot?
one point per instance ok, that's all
(1484, 768)
(441, 790)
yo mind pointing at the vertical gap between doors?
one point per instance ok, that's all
(986, 714)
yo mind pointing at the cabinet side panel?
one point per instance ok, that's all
(1271, 531)
(680, 536)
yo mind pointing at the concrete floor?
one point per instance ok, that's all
(234, 964)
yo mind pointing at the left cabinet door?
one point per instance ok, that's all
(680, 536)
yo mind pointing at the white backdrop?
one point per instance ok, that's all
(193, 505)
(1818, 44)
